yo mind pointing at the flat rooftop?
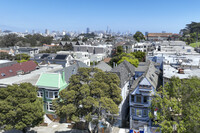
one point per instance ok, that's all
(32, 77)
(4, 61)
(169, 71)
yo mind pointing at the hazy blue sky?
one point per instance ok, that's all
(119, 15)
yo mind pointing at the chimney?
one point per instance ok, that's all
(181, 71)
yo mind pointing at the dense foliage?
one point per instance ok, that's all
(20, 107)
(18, 57)
(133, 58)
(139, 55)
(119, 50)
(138, 36)
(190, 33)
(27, 41)
(178, 105)
(55, 49)
(89, 93)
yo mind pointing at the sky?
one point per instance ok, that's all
(118, 15)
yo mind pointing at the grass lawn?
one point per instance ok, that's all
(194, 44)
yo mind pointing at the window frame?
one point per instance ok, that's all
(40, 93)
(53, 94)
(143, 114)
(49, 107)
(132, 98)
(137, 98)
(139, 111)
(146, 99)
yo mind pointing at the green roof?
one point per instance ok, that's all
(52, 80)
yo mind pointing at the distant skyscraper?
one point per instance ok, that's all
(107, 30)
(163, 31)
(0, 30)
(47, 32)
(88, 30)
(146, 33)
(33, 31)
(64, 33)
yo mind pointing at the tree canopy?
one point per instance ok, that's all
(65, 38)
(55, 49)
(119, 50)
(138, 36)
(20, 107)
(125, 56)
(27, 41)
(191, 32)
(177, 105)
(89, 93)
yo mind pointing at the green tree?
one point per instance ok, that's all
(9, 40)
(124, 56)
(22, 57)
(20, 107)
(119, 50)
(138, 36)
(90, 91)
(178, 106)
(139, 55)
(5, 55)
(84, 39)
(66, 38)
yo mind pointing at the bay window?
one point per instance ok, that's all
(51, 94)
(138, 112)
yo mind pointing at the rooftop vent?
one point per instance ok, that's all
(181, 71)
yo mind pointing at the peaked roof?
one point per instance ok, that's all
(124, 70)
(12, 70)
(51, 80)
(71, 70)
(144, 82)
(104, 66)
(151, 76)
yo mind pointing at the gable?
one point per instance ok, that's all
(144, 82)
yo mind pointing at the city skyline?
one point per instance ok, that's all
(77, 15)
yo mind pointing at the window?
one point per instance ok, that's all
(138, 112)
(145, 112)
(10, 71)
(56, 94)
(50, 94)
(3, 74)
(132, 98)
(40, 93)
(138, 99)
(133, 111)
(145, 99)
(49, 106)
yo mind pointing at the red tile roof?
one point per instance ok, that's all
(159, 34)
(24, 67)
(106, 60)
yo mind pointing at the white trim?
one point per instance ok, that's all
(48, 105)
(59, 80)
(46, 91)
(38, 79)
